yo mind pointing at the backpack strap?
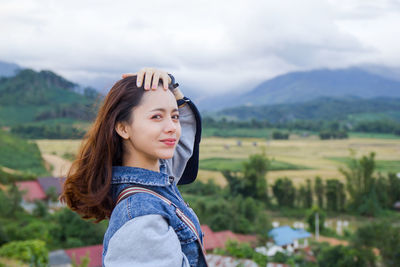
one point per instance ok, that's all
(137, 189)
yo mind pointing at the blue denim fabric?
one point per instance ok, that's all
(145, 204)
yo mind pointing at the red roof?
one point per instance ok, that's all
(32, 189)
(210, 240)
(94, 253)
(218, 239)
(252, 239)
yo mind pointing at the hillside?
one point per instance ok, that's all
(325, 108)
(20, 155)
(308, 85)
(43, 97)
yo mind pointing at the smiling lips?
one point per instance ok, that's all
(169, 141)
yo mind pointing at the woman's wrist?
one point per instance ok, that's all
(178, 94)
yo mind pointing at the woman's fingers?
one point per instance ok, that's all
(165, 79)
(147, 78)
(150, 78)
(156, 78)
(139, 78)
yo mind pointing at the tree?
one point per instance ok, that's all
(3, 236)
(33, 252)
(308, 195)
(68, 232)
(255, 170)
(341, 196)
(10, 201)
(361, 185)
(51, 194)
(382, 235)
(301, 197)
(311, 219)
(319, 191)
(382, 191)
(252, 183)
(331, 194)
(341, 256)
(284, 192)
(335, 195)
(393, 189)
(15, 197)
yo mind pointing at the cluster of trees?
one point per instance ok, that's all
(330, 195)
(380, 235)
(326, 128)
(240, 206)
(324, 135)
(28, 237)
(221, 210)
(280, 135)
(48, 131)
(370, 193)
(363, 193)
(378, 126)
(74, 111)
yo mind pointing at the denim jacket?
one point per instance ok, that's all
(141, 205)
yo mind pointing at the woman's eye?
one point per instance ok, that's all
(156, 117)
(175, 117)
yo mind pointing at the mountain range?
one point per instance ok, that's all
(304, 86)
(45, 97)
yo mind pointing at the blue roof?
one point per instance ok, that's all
(285, 235)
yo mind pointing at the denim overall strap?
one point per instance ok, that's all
(137, 189)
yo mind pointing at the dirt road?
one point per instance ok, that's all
(59, 165)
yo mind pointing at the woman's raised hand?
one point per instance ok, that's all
(149, 74)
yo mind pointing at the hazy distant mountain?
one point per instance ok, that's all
(324, 108)
(304, 86)
(32, 96)
(8, 69)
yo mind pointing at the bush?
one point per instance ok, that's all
(280, 135)
(243, 251)
(33, 252)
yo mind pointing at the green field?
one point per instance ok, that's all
(381, 165)
(236, 165)
(299, 158)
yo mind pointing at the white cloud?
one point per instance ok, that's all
(209, 45)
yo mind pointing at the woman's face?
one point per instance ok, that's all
(154, 130)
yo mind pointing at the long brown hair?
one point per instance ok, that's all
(86, 189)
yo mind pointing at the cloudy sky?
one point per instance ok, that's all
(210, 45)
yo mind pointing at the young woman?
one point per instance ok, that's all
(143, 143)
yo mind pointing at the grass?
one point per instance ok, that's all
(374, 135)
(20, 154)
(220, 164)
(381, 165)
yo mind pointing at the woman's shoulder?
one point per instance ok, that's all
(140, 204)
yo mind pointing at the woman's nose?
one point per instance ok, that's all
(170, 126)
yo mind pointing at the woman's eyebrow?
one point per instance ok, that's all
(163, 109)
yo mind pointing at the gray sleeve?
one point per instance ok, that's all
(184, 149)
(145, 241)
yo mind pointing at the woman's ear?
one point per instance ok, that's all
(122, 129)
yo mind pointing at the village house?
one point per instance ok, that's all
(38, 190)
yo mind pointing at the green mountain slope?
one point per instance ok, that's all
(39, 96)
(21, 155)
